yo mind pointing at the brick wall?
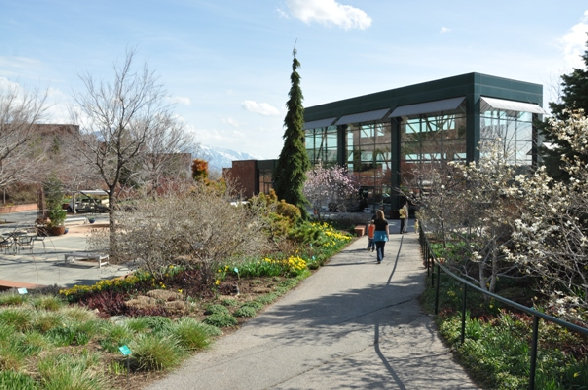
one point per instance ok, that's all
(246, 175)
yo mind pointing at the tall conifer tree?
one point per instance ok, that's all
(290, 172)
(574, 96)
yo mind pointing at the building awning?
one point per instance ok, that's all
(319, 123)
(367, 116)
(509, 105)
(425, 108)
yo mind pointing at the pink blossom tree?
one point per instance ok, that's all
(331, 187)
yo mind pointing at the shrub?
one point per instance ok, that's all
(221, 320)
(158, 324)
(187, 231)
(12, 357)
(10, 379)
(61, 371)
(246, 311)
(20, 318)
(115, 335)
(216, 309)
(10, 299)
(156, 353)
(34, 342)
(229, 302)
(191, 335)
(47, 302)
(44, 322)
(75, 332)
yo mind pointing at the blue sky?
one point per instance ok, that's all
(226, 64)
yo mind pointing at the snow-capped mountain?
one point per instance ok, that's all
(219, 158)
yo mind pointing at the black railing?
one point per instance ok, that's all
(431, 263)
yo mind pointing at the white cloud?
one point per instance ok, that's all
(7, 85)
(574, 43)
(231, 122)
(329, 12)
(260, 108)
(445, 30)
(181, 100)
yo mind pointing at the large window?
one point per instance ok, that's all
(428, 139)
(321, 145)
(512, 129)
(369, 158)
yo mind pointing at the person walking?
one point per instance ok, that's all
(371, 228)
(381, 235)
(403, 217)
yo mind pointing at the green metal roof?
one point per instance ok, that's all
(469, 85)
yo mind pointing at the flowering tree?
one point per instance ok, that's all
(529, 225)
(330, 186)
(551, 233)
(473, 207)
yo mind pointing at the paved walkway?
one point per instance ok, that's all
(354, 324)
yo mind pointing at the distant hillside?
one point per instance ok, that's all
(219, 158)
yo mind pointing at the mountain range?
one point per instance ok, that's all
(219, 158)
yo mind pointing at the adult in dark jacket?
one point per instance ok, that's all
(381, 235)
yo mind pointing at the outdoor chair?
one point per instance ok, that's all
(24, 242)
(6, 243)
(39, 234)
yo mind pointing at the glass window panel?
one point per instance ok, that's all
(367, 131)
(366, 155)
(525, 132)
(332, 156)
(309, 140)
(524, 150)
(412, 126)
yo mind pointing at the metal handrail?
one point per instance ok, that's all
(431, 260)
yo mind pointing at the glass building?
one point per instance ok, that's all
(385, 139)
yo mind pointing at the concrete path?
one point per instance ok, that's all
(355, 324)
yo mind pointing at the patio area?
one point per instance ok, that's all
(43, 263)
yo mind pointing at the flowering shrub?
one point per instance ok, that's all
(329, 186)
(126, 284)
(319, 234)
(268, 267)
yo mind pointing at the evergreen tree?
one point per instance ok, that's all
(574, 96)
(290, 172)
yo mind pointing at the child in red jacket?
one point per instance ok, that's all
(370, 233)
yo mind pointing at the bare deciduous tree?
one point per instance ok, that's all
(19, 157)
(166, 156)
(118, 120)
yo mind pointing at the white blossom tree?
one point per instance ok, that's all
(329, 186)
(551, 232)
(472, 207)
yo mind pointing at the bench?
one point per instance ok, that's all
(100, 258)
(359, 230)
(71, 220)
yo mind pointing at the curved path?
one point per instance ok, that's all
(355, 324)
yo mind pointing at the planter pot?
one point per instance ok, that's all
(56, 230)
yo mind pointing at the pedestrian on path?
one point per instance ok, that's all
(403, 217)
(381, 235)
(370, 233)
